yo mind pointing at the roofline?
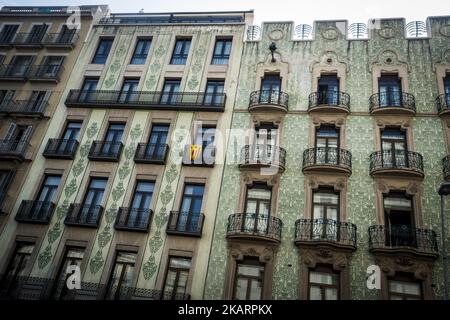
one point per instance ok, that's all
(173, 13)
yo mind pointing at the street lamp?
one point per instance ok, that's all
(444, 190)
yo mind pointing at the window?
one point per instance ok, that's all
(399, 220)
(87, 89)
(16, 138)
(191, 204)
(214, 93)
(2, 58)
(447, 88)
(404, 287)
(73, 256)
(38, 101)
(181, 51)
(257, 208)
(222, 51)
(37, 33)
(6, 97)
(17, 266)
(325, 212)
(205, 136)
(19, 66)
(328, 90)
(394, 148)
(249, 280)
(171, 91)
(50, 67)
(140, 204)
(177, 277)
(323, 283)
(128, 91)
(101, 55)
(327, 145)
(390, 90)
(6, 177)
(141, 51)
(265, 140)
(121, 275)
(113, 137)
(92, 200)
(69, 137)
(45, 197)
(8, 32)
(156, 147)
(66, 35)
(270, 88)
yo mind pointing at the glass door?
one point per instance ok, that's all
(257, 209)
(92, 200)
(140, 205)
(189, 215)
(328, 90)
(270, 89)
(214, 93)
(399, 220)
(325, 215)
(45, 197)
(394, 149)
(327, 145)
(113, 138)
(128, 92)
(170, 93)
(390, 91)
(121, 278)
(156, 147)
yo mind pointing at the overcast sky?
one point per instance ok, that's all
(299, 11)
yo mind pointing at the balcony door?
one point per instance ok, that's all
(257, 209)
(19, 66)
(157, 141)
(16, 138)
(37, 33)
(38, 101)
(93, 199)
(113, 138)
(205, 138)
(121, 278)
(403, 286)
(87, 89)
(73, 256)
(177, 277)
(170, 94)
(214, 93)
(323, 283)
(325, 214)
(128, 92)
(45, 196)
(265, 142)
(447, 89)
(399, 220)
(66, 35)
(270, 88)
(51, 67)
(140, 205)
(190, 209)
(328, 90)
(394, 148)
(249, 279)
(69, 137)
(327, 145)
(8, 33)
(390, 91)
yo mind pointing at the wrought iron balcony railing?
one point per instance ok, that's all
(443, 103)
(263, 155)
(329, 99)
(311, 231)
(195, 155)
(327, 157)
(14, 71)
(264, 98)
(34, 288)
(13, 149)
(392, 99)
(3, 196)
(186, 101)
(446, 167)
(61, 149)
(31, 211)
(254, 226)
(28, 107)
(401, 236)
(46, 72)
(83, 215)
(185, 223)
(105, 150)
(394, 160)
(151, 153)
(60, 40)
(29, 39)
(133, 219)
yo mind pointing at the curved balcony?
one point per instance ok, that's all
(394, 102)
(268, 101)
(329, 101)
(311, 232)
(261, 156)
(327, 159)
(446, 167)
(252, 226)
(401, 239)
(443, 104)
(397, 163)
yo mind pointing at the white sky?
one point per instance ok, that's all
(275, 10)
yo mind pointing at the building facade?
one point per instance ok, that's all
(189, 155)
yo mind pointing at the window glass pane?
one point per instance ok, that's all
(180, 263)
(255, 292)
(315, 293)
(249, 270)
(257, 193)
(331, 294)
(404, 287)
(397, 203)
(124, 257)
(321, 197)
(322, 278)
(241, 289)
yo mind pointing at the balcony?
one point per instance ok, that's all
(14, 72)
(403, 239)
(185, 224)
(263, 156)
(151, 153)
(326, 159)
(29, 40)
(13, 150)
(133, 219)
(195, 155)
(105, 151)
(251, 226)
(61, 149)
(395, 102)
(80, 215)
(312, 232)
(443, 104)
(147, 100)
(397, 163)
(60, 40)
(45, 73)
(329, 101)
(39, 212)
(34, 288)
(24, 108)
(268, 101)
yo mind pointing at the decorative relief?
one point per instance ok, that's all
(386, 32)
(445, 30)
(154, 68)
(276, 34)
(331, 33)
(389, 57)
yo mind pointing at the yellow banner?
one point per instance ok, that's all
(196, 150)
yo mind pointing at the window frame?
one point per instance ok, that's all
(182, 56)
(249, 261)
(103, 56)
(324, 269)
